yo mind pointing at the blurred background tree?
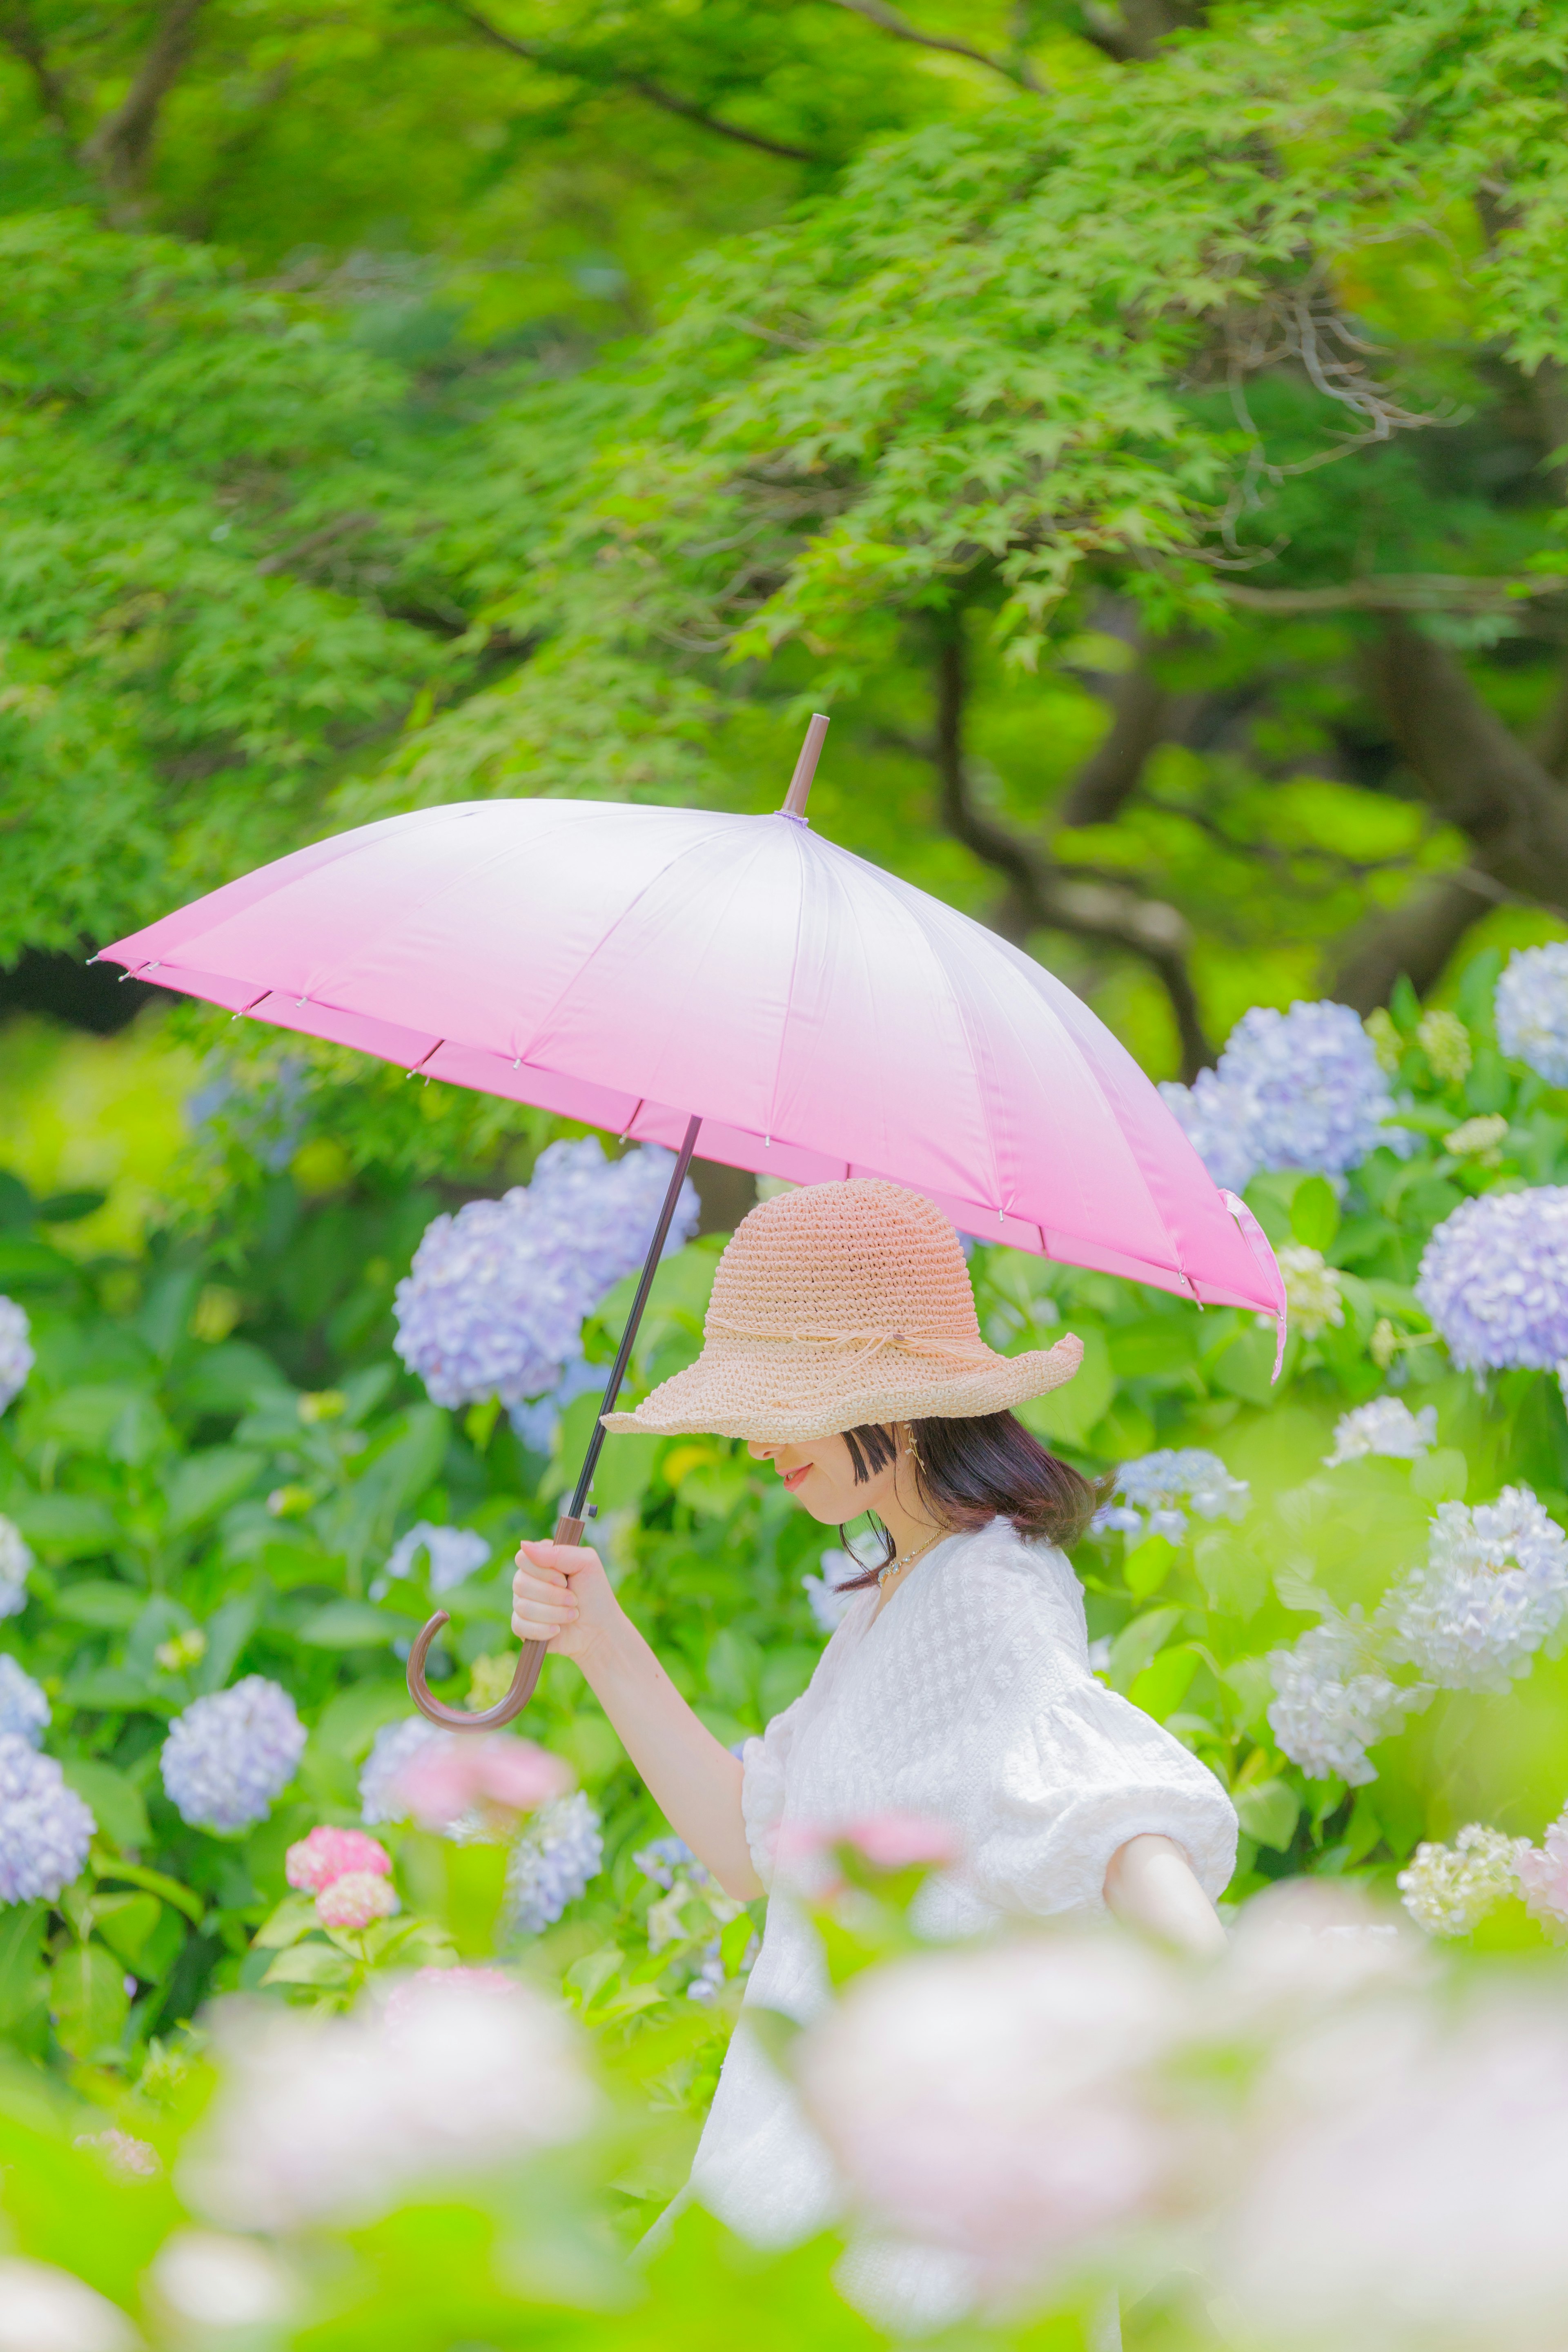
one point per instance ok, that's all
(1141, 427)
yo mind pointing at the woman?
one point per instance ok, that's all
(842, 1343)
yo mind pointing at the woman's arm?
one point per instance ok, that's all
(562, 1595)
(1150, 1885)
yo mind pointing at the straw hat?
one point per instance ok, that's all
(835, 1306)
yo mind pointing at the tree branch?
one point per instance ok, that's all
(1140, 708)
(888, 20)
(1395, 591)
(538, 53)
(1043, 896)
(1416, 939)
(1137, 32)
(121, 147)
(21, 35)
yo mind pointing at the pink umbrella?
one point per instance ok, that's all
(675, 974)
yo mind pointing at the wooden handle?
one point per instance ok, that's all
(568, 1530)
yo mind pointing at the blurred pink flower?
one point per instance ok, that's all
(997, 2103)
(328, 1854)
(405, 1997)
(132, 2159)
(356, 1900)
(1543, 1875)
(489, 1781)
(889, 1842)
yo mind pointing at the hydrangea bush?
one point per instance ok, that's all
(227, 1500)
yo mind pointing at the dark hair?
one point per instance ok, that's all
(968, 1472)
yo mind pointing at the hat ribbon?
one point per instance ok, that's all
(864, 1343)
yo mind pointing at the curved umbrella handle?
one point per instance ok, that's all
(457, 1718)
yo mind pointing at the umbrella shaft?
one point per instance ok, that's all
(628, 1337)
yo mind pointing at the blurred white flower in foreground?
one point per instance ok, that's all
(994, 2103)
(338, 2119)
(45, 2310)
(1414, 2199)
(213, 2281)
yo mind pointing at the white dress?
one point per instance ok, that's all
(969, 1699)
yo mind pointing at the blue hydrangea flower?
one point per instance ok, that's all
(15, 1566)
(1219, 1122)
(1494, 1279)
(23, 1709)
(552, 1863)
(1333, 1701)
(15, 1352)
(535, 1424)
(1384, 1426)
(1531, 1009)
(662, 1859)
(229, 1755)
(1297, 1089)
(390, 1750)
(453, 1553)
(496, 1297)
(45, 1827)
(1495, 1587)
(1158, 1490)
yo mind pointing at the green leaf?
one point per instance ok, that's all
(1162, 1686)
(22, 1927)
(116, 1802)
(1268, 1812)
(136, 1873)
(66, 1525)
(98, 1601)
(1315, 1212)
(125, 1922)
(1065, 1416)
(310, 1964)
(227, 1631)
(294, 1916)
(1246, 1369)
(88, 2001)
(205, 1482)
(354, 1625)
(1440, 1477)
(1158, 1348)
(1137, 1642)
(1148, 1564)
(225, 1380)
(109, 1690)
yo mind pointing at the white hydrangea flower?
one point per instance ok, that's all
(1449, 1889)
(1333, 1701)
(15, 1567)
(1446, 1041)
(453, 1553)
(1311, 1289)
(1532, 1010)
(1478, 1138)
(17, 1359)
(1385, 1427)
(827, 1603)
(1495, 1587)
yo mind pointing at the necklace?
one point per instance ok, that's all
(909, 1558)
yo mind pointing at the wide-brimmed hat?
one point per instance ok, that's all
(838, 1306)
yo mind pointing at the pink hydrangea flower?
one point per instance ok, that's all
(487, 1782)
(329, 1854)
(1543, 1875)
(406, 1996)
(356, 1900)
(889, 1842)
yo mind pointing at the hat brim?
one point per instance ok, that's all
(790, 1392)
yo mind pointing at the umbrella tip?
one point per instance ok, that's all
(795, 800)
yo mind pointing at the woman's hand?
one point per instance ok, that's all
(560, 1595)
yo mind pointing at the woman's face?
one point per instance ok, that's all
(820, 1475)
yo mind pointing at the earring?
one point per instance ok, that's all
(909, 1441)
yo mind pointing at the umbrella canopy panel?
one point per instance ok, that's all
(630, 967)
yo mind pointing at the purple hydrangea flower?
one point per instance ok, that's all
(1531, 1009)
(229, 1755)
(23, 1709)
(552, 1863)
(1333, 1701)
(1158, 1490)
(1297, 1089)
(1494, 1588)
(536, 1423)
(1219, 1122)
(1494, 1279)
(390, 1750)
(453, 1553)
(16, 1353)
(15, 1566)
(497, 1294)
(662, 1858)
(45, 1828)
